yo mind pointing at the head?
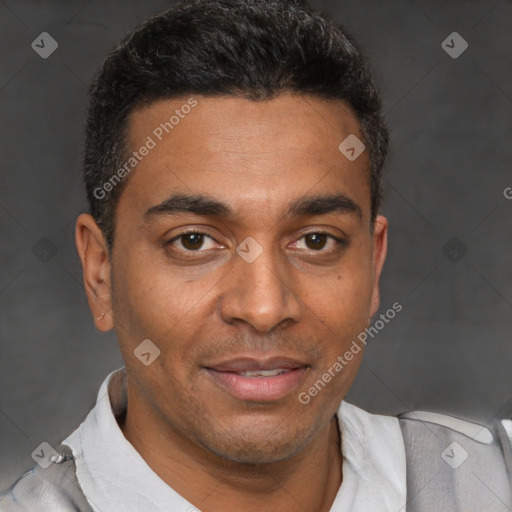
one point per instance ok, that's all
(227, 226)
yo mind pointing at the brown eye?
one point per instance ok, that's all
(316, 241)
(320, 242)
(192, 241)
(193, 244)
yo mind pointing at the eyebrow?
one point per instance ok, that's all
(198, 204)
(209, 207)
(323, 205)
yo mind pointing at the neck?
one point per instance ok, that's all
(308, 481)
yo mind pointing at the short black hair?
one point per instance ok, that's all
(254, 49)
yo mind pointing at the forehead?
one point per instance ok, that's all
(244, 152)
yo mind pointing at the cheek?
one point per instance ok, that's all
(344, 299)
(341, 308)
(146, 300)
(155, 304)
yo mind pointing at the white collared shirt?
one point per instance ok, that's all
(114, 476)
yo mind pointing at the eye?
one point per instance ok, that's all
(318, 241)
(192, 241)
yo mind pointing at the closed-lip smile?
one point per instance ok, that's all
(258, 379)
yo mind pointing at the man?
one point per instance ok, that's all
(233, 160)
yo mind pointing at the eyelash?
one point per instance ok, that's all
(340, 242)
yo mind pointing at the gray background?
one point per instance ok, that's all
(448, 350)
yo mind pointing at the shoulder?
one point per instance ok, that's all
(456, 464)
(46, 490)
(480, 433)
(451, 464)
(432, 422)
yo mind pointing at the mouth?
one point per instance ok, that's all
(256, 380)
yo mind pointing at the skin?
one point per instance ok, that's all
(297, 299)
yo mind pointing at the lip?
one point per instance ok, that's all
(242, 364)
(258, 389)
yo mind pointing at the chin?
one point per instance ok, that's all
(256, 447)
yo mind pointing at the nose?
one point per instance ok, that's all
(261, 293)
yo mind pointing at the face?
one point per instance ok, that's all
(244, 251)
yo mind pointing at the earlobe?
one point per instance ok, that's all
(94, 256)
(380, 247)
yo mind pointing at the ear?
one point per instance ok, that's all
(94, 255)
(380, 247)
